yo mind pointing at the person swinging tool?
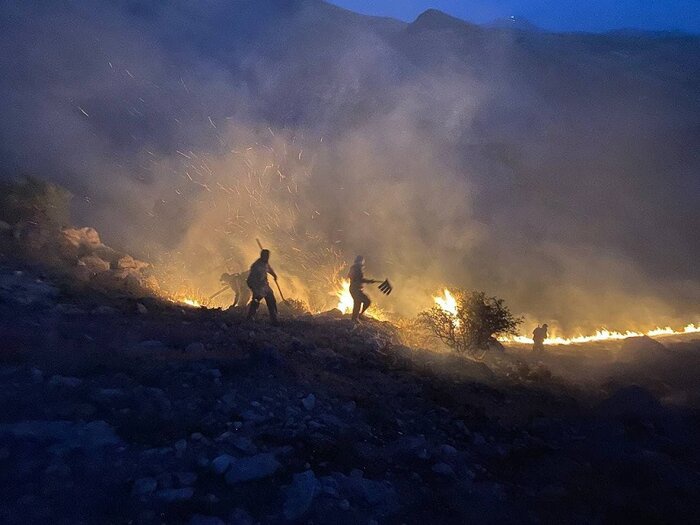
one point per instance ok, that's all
(257, 282)
(361, 300)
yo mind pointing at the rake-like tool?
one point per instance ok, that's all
(385, 287)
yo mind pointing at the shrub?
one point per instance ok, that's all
(475, 325)
(36, 201)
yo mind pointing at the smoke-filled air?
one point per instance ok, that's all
(556, 171)
(278, 262)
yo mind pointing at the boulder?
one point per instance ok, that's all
(195, 348)
(127, 262)
(94, 264)
(74, 242)
(221, 463)
(309, 402)
(642, 348)
(144, 486)
(632, 401)
(255, 467)
(199, 519)
(301, 494)
(173, 495)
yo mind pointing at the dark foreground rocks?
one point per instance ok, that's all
(113, 414)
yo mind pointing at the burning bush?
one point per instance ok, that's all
(469, 322)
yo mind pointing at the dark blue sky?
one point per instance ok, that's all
(576, 15)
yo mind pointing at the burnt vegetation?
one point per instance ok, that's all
(476, 324)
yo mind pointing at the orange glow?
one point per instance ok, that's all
(345, 300)
(448, 304)
(605, 335)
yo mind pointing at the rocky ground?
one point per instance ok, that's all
(126, 411)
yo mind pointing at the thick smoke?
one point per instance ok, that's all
(555, 171)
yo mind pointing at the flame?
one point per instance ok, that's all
(191, 302)
(448, 304)
(605, 335)
(345, 300)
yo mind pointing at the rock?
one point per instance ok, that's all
(195, 348)
(144, 487)
(199, 519)
(642, 348)
(69, 309)
(67, 382)
(221, 463)
(309, 402)
(20, 288)
(409, 447)
(165, 480)
(344, 504)
(443, 469)
(180, 447)
(240, 517)
(329, 486)
(140, 308)
(129, 263)
(81, 236)
(104, 310)
(66, 435)
(37, 376)
(255, 467)
(380, 494)
(173, 495)
(109, 395)
(268, 356)
(631, 401)
(244, 444)
(448, 450)
(94, 264)
(151, 345)
(301, 494)
(186, 479)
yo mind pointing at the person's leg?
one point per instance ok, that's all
(253, 306)
(365, 304)
(236, 297)
(271, 303)
(356, 304)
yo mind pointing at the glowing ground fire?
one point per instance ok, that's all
(191, 302)
(448, 303)
(345, 300)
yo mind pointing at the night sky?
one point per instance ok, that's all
(559, 15)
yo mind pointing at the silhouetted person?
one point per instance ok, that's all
(539, 334)
(257, 282)
(237, 283)
(357, 282)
